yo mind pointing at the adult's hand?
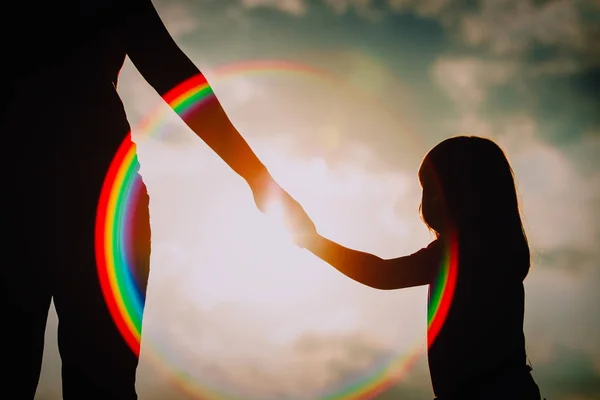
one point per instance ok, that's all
(266, 191)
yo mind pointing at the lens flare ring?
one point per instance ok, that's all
(122, 187)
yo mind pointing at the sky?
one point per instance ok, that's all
(234, 307)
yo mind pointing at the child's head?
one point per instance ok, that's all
(468, 185)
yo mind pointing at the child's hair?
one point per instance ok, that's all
(468, 185)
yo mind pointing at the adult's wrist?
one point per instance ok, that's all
(258, 177)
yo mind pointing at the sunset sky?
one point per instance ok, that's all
(235, 308)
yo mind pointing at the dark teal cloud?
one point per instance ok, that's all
(571, 373)
(565, 104)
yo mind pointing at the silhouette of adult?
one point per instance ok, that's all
(63, 120)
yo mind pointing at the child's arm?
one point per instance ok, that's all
(397, 273)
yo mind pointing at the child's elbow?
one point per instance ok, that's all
(378, 282)
(385, 286)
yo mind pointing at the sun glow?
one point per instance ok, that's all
(253, 294)
(244, 295)
(276, 222)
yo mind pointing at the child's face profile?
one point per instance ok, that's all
(432, 209)
(429, 209)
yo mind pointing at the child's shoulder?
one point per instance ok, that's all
(430, 254)
(436, 247)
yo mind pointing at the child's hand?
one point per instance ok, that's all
(296, 218)
(306, 236)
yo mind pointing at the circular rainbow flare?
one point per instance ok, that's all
(113, 253)
(121, 189)
(441, 297)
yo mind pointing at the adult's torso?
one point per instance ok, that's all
(63, 62)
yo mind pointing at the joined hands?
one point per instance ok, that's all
(266, 190)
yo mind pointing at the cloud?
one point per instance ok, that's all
(547, 37)
(314, 363)
(363, 8)
(466, 80)
(426, 8)
(513, 26)
(370, 8)
(565, 31)
(573, 299)
(569, 374)
(554, 192)
(206, 344)
(293, 7)
(178, 18)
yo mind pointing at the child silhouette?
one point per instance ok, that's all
(469, 197)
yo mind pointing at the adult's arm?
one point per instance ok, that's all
(164, 65)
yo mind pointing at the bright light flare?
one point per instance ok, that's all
(276, 221)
